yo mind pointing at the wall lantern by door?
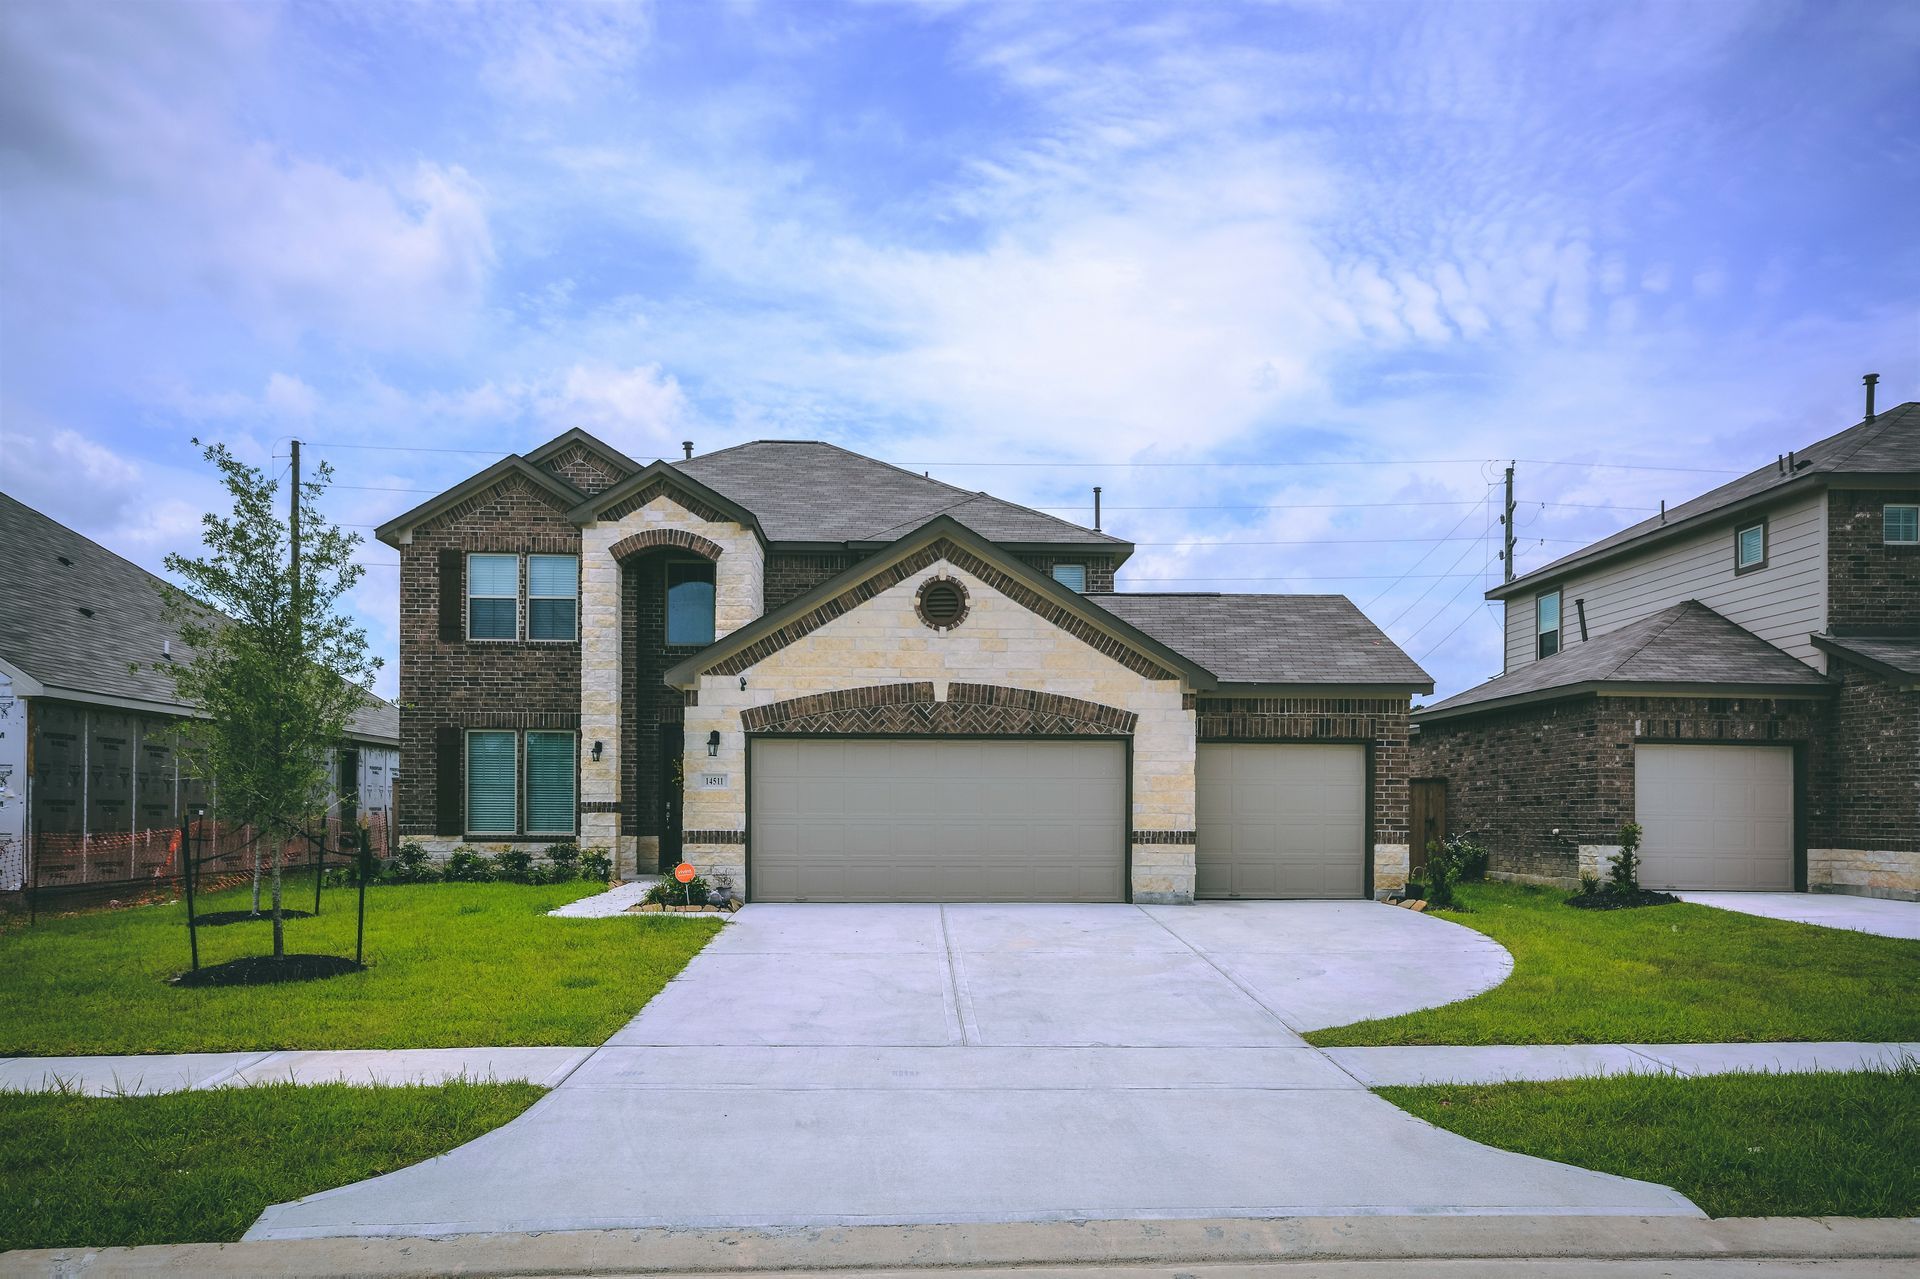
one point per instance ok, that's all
(713, 742)
(597, 746)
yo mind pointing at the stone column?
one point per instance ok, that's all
(601, 578)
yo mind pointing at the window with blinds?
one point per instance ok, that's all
(550, 806)
(493, 597)
(491, 807)
(1071, 576)
(553, 594)
(1750, 548)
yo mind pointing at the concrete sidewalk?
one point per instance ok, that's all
(1879, 916)
(1370, 1067)
(181, 1072)
(1351, 1247)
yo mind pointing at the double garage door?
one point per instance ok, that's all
(927, 819)
(1715, 816)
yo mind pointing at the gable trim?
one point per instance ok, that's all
(563, 495)
(1622, 688)
(653, 481)
(943, 538)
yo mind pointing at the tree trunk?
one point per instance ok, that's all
(279, 927)
(256, 876)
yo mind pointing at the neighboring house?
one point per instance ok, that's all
(831, 679)
(91, 790)
(1740, 675)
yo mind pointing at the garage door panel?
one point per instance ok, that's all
(1715, 816)
(1281, 820)
(929, 819)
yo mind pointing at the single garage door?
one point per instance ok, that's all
(1715, 816)
(937, 820)
(1281, 821)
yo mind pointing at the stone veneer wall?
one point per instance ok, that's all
(476, 684)
(1866, 839)
(1872, 588)
(1379, 722)
(1517, 776)
(739, 582)
(1002, 643)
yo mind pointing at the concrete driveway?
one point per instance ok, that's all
(1829, 910)
(832, 1065)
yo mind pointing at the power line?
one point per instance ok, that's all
(1351, 506)
(1244, 464)
(1358, 541)
(1417, 563)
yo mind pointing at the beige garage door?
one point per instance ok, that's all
(1282, 821)
(932, 820)
(1715, 816)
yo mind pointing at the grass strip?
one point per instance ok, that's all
(198, 1167)
(1742, 1145)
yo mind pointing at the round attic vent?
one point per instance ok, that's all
(941, 603)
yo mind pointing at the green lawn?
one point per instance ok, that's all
(201, 1166)
(1662, 974)
(1738, 1145)
(449, 965)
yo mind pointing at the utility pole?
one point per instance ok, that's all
(293, 523)
(1506, 523)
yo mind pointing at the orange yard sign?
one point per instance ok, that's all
(684, 872)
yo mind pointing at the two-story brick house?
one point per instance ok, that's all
(1740, 675)
(832, 679)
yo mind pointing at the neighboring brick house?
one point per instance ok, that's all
(1740, 675)
(828, 678)
(91, 787)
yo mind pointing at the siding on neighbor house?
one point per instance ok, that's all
(1783, 603)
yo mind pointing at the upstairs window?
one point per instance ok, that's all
(690, 604)
(1071, 576)
(1900, 525)
(553, 596)
(493, 597)
(1546, 624)
(1750, 547)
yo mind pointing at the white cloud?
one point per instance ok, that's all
(636, 409)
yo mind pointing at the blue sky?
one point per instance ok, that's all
(1342, 257)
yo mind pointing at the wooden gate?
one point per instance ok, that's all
(1428, 818)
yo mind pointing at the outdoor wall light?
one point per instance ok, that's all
(743, 683)
(713, 742)
(597, 747)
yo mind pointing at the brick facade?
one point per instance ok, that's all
(791, 574)
(1516, 776)
(1872, 588)
(1872, 766)
(476, 684)
(910, 709)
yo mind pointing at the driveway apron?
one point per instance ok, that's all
(834, 1065)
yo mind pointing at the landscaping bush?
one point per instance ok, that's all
(515, 866)
(595, 863)
(671, 892)
(469, 865)
(1622, 890)
(1623, 875)
(411, 865)
(1445, 864)
(564, 861)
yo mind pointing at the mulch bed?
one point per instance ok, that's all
(1604, 900)
(220, 917)
(265, 970)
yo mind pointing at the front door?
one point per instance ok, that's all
(672, 786)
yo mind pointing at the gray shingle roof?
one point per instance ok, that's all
(1887, 445)
(809, 491)
(1687, 644)
(1894, 654)
(49, 573)
(1271, 639)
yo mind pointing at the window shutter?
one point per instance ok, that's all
(452, 602)
(550, 805)
(447, 786)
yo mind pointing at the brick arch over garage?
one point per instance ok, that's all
(911, 710)
(677, 539)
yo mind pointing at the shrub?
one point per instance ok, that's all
(514, 866)
(468, 865)
(671, 892)
(411, 865)
(1624, 874)
(1444, 865)
(595, 863)
(1472, 856)
(1589, 884)
(564, 861)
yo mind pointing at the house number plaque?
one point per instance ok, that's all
(709, 781)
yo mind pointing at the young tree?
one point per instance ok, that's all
(276, 671)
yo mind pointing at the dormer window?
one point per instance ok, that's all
(1071, 576)
(1546, 623)
(690, 604)
(1750, 547)
(1900, 525)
